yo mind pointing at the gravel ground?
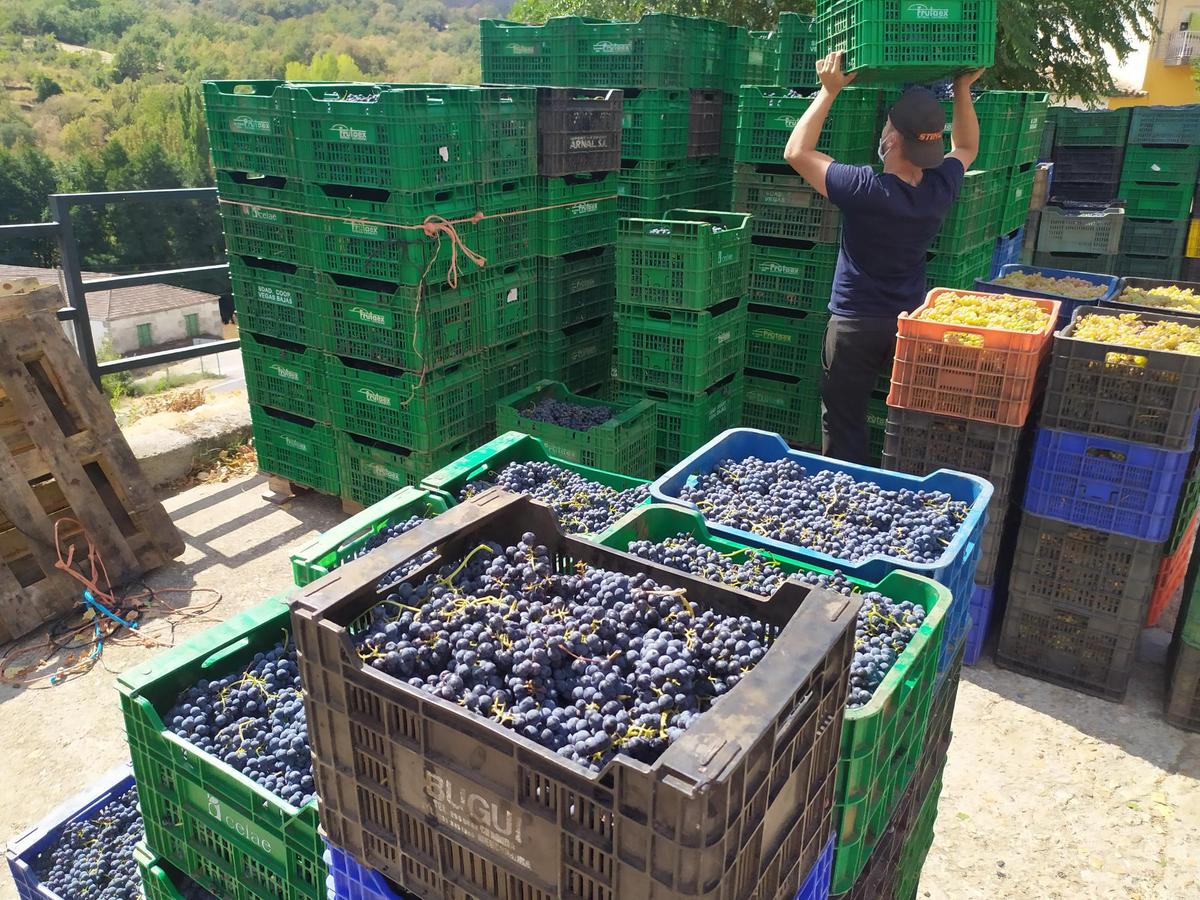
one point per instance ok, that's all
(1048, 793)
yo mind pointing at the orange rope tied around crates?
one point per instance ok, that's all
(435, 227)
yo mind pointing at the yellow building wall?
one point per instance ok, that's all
(1163, 86)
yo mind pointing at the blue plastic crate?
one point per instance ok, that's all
(817, 881)
(1008, 250)
(955, 568)
(23, 851)
(982, 601)
(1105, 483)
(1069, 304)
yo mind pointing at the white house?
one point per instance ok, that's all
(139, 319)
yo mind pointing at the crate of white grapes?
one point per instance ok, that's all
(617, 729)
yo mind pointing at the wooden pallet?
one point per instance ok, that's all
(62, 457)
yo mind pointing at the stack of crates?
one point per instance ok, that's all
(681, 323)
(1088, 153)
(1183, 663)
(579, 159)
(367, 351)
(1079, 236)
(674, 70)
(960, 399)
(793, 252)
(1104, 506)
(1158, 179)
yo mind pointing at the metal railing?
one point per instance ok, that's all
(1179, 48)
(75, 289)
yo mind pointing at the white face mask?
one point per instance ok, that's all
(881, 151)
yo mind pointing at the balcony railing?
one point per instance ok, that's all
(1179, 48)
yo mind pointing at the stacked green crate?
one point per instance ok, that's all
(681, 323)
(795, 235)
(366, 323)
(1158, 180)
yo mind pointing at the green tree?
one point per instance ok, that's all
(45, 87)
(325, 66)
(139, 50)
(1060, 45)
(26, 181)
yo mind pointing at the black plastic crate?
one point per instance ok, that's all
(1097, 572)
(1152, 237)
(1084, 191)
(1121, 301)
(579, 130)
(443, 801)
(1088, 164)
(1090, 652)
(918, 443)
(1093, 391)
(705, 118)
(1183, 687)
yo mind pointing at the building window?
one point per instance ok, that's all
(191, 324)
(144, 338)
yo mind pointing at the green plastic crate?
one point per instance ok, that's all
(1164, 165)
(685, 423)
(250, 127)
(1017, 196)
(386, 207)
(1189, 499)
(510, 367)
(877, 424)
(510, 230)
(506, 302)
(1145, 200)
(275, 299)
(1165, 124)
(579, 212)
(784, 205)
(1131, 265)
(882, 742)
(681, 351)
(1001, 115)
(767, 116)
(580, 355)
(262, 217)
(405, 327)
(511, 447)
(231, 836)
(686, 260)
(419, 411)
(576, 287)
(654, 124)
(972, 215)
(1034, 118)
(1153, 237)
(285, 376)
(917, 844)
(1090, 127)
(796, 62)
(516, 53)
(623, 444)
(373, 470)
(296, 449)
(787, 405)
(1098, 263)
(653, 52)
(508, 133)
(887, 41)
(160, 879)
(655, 178)
(387, 137)
(796, 277)
(785, 342)
(338, 545)
(397, 252)
(630, 206)
(958, 270)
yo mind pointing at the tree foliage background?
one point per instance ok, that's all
(105, 95)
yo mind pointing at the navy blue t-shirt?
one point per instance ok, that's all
(887, 227)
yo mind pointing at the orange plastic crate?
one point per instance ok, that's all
(992, 380)
(1171, 573)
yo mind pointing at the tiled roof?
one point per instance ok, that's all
(118, 303)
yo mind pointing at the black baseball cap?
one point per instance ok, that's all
(920, 119)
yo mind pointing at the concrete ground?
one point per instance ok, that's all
(1048, 794)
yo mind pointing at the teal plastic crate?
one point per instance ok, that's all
(233, 837)
(338, 545)
(625, 443)
(300, 450)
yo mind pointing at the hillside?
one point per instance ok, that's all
(103, 94)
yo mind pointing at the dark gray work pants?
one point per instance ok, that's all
(856, 351)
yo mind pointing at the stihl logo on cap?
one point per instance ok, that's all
(929, 136)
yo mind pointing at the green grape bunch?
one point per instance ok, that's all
(1060, 286)
(1167, 297)
(1130, 330)
(1004, 312)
